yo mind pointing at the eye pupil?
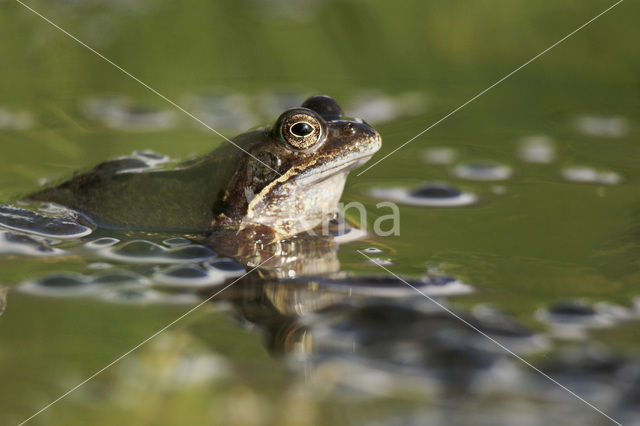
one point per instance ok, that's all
(301, 129)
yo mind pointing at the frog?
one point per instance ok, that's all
(271, 182)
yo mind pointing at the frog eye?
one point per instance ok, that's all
(300, 128)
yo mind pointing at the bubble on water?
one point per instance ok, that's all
(434, 194)
(222, 110)
(602, 126)
(119, 113)
(71, 284)
(13, 243)
(536, 149)
(176, 242)
(228, 267)
(58, 222)
(139, 249)
(483, 170)
(143, 251)
(439, 155)
(572, 310)
(193, 252)
(378, 108)
(189, 276)
(372, 250)
(61, 284)
(589, 175)
(16, 119)
(102, 242)
(569, 318)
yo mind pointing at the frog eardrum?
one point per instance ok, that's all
(301, 129)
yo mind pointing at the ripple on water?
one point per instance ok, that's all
(56, 222)
(143, 251)
(589, 175)
(483, 170)
(536, 149)
(602, 126)
(434, 194)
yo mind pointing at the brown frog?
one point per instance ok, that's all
(278, 181)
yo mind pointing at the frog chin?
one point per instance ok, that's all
(299, 206)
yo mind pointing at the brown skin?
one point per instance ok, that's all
(290, 182)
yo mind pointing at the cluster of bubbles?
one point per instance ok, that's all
(534, 149)
(386, 286)
(130, 271)
(140, 271)
(381, 346)
(223, 111)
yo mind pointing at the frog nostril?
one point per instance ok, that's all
(349, 128)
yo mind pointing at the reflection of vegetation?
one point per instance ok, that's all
(544, 239)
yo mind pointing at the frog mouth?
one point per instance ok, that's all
(342, 167)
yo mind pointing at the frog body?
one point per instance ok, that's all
(286, 178)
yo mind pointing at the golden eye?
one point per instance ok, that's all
(300, 128)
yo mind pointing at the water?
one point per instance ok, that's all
(542, 256)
